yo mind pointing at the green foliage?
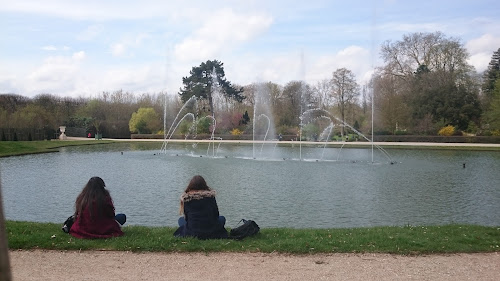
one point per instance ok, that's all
(145, 121)
(204, 126)
(310, 132)
(200, 83)
(491, 75)
(396, 240)
(492, 115)
(447, 131)
(185, 127)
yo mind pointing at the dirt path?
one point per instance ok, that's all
(110, 265)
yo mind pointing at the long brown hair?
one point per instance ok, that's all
(197, 183)
(94, 192)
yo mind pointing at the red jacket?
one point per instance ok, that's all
(97, 226)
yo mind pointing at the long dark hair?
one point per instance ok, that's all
(197, 183)
(94, 192)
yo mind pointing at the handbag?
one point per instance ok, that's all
(68, 223)
(248, 228)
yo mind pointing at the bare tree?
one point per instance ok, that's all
(345, 91)
(322, 91)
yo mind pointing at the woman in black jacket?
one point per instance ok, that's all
(201, 215)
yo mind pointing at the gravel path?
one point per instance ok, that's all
(111, 265)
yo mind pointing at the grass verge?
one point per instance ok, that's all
(14, 148)
(406, 240)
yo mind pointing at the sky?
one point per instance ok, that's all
(72, 48)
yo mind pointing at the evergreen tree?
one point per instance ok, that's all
(491, 75)
(204, 79)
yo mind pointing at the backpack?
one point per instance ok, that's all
(248, 228)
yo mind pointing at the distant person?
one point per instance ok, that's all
(201, 214)
(95, 214)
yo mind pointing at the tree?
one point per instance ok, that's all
(492, 115)
(204, 80)
(323, 93)
(245, 118)
(391, 109)
(345, 90)
(145, 121)
(435, 79)
(291, 103)
(491, 75)
(95, 109)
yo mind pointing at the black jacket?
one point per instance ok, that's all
(202, 216)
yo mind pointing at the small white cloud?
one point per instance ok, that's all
(117, 49)
(78, 56)
(49, 48)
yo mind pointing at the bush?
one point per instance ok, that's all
(236, 132)
(447, 131)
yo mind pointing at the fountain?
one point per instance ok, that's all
(262, 110)
(263, 129)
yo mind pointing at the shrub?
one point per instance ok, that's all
(236, 132)
(447, 131)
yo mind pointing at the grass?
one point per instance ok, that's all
(408, 240)
(14, 148)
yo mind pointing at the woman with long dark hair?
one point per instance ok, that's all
(95, 213)
(201, 214)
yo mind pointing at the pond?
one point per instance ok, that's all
(327, 188)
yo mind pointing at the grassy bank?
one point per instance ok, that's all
(396, 240)
(13, 148)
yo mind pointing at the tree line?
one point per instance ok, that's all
(424, 85)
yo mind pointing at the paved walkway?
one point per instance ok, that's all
(110, 265)
(425, 144)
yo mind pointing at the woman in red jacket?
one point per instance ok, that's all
(95, 213)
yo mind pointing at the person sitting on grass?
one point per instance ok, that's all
(201, 214)
(95, 214)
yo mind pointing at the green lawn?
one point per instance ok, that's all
(396, 240)
(13, 148)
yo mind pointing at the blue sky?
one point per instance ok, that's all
(82, 48)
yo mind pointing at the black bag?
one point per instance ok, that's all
(68, 223)
(248, 228)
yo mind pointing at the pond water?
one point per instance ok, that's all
(329, 188)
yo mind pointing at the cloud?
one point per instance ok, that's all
(90, 33)
(222, 31)
(49, 48)
(52, 48)
(78, 56)
(481, 49)
(57, 73)
(117, 49)
(354, 58)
